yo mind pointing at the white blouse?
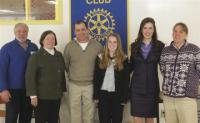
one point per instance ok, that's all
(109, 79)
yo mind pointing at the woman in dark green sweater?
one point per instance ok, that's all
(45, 79)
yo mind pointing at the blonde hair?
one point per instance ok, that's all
(119, 54)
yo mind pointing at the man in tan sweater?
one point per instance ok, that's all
(80, 55)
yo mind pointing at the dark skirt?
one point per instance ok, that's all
(144, 105)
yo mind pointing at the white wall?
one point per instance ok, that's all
(165, 12)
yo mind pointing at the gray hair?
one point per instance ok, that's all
(21, 25)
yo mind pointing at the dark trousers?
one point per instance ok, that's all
(110, 109)
(47, 111)
(19, 107)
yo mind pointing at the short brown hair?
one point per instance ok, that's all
(44, 34)
(81, 22)
(184, 27)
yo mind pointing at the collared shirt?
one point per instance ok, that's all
(182, 44)
(24, 45)
(50, 51)
(83, 45)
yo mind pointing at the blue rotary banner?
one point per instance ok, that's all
(102, 17)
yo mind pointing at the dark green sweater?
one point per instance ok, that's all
(45, 75)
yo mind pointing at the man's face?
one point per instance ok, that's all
(21, 33)
(81, 32)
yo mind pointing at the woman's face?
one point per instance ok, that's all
(49, 41)
(112, 44)
(179, 35)
(147, 31)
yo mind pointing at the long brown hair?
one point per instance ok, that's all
(140, 36)
(119, 54)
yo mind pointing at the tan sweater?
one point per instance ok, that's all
(80, 63)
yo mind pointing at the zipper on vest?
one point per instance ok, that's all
(174, 72)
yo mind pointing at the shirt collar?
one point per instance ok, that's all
(183, 45)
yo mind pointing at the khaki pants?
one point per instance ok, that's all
(180, 110)
(82, 107)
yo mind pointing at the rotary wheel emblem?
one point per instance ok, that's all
(100, 23)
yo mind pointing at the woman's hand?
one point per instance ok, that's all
(96, 101)
(34, 101)
(5, 96)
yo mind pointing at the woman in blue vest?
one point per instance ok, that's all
(145, 54)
